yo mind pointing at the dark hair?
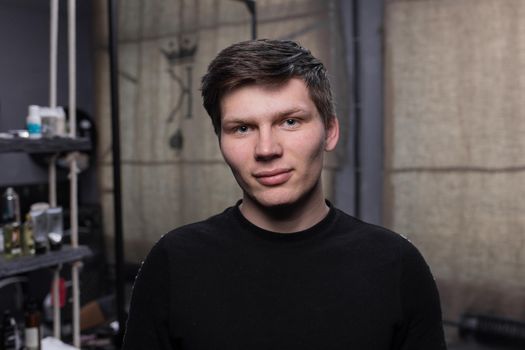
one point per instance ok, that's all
(265, 62)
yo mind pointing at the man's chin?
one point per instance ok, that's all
(278, 199)
(272, 203)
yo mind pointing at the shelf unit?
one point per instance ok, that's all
(51, 259)
(69, 145)
(44, 145)
(54, 146)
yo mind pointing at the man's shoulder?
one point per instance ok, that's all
(211, 228)
(371, 237)
(366, 230)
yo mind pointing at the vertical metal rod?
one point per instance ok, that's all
(72, 74)
(357, 107)
(189, 90)
(73, 180)
(254, 19)
(53, 43)
(117, 194)
(252, 8)
(56, 303)
(251, 5)
(52, 174)
(76, 303)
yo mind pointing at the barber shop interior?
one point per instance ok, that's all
(262, 174)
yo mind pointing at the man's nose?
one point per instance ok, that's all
(268, 145)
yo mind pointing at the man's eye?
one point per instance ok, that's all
(241, 129)
(290, 122)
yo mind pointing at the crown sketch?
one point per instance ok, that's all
(185, 52)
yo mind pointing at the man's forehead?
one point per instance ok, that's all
(289, 97)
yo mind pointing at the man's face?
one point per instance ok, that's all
(274, 141)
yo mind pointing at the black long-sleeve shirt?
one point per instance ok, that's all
(225, 283)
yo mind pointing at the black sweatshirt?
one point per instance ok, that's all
(225, 283)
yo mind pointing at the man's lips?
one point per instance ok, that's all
(273, 177)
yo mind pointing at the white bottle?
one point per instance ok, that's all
(34, 122)
(61, 121)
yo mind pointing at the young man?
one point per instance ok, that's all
(283, 268)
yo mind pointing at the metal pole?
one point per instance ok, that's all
(53, 44)
(56, 302)
(252, 7)
(73, 180)
(357, 107)
(117, 194)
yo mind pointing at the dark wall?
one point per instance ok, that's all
(24, 73)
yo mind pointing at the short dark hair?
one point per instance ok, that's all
(265, 62)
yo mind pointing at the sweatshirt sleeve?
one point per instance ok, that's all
(422, 326)
(148, 321)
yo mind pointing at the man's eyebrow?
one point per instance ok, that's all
(294, 110)
(280, 114)
(234, 120)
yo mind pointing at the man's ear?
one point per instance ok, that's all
(332, 134)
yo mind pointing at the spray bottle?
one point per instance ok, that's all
(34, 122)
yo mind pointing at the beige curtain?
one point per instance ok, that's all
(455, 167)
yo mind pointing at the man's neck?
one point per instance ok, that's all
(286, 219)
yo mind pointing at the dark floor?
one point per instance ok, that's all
(473, 346)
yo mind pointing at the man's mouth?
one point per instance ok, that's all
(273, 177)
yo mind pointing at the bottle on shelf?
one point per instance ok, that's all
(1, 239)
(39, 222)
(12, 240)
(32, 332)
(10, 336)
(10, 206)
(61, 121)
(53, 122)
(11, 223)
(28, 240)
(54, 227)
(34, 122)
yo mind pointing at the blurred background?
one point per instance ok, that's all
(429, 93)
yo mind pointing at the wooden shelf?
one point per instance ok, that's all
(44, 145)
(23, 264)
